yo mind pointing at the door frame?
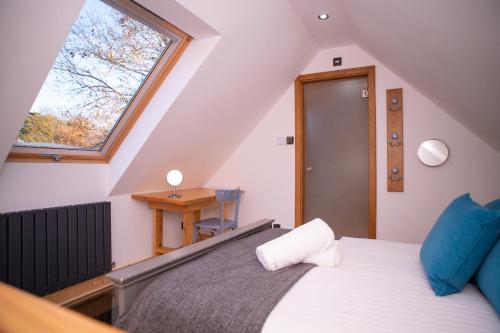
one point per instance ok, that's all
(368, 71)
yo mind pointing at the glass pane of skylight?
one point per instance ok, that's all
(103, 63)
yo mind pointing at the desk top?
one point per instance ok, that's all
(189, 196)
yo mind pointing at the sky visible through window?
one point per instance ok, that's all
(101, 66)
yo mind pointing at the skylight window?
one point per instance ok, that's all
(112, 57)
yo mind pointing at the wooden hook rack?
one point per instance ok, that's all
(395, 171)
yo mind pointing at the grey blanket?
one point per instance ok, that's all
(226, 290)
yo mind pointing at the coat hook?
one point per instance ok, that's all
(395, 106)
(395, 142)
(395, 175)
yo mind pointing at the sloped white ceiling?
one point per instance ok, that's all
(329, 33)
(263, 46)
(448, 49)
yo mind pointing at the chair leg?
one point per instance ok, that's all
(196, 232)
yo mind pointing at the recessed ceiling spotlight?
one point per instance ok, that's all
(323, 16)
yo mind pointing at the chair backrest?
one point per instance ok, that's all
(228, 195)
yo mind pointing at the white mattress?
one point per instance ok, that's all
(379, 287)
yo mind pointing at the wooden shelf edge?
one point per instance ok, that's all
(164, 249)
(81, 292)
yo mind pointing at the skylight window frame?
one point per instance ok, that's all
(179, 42)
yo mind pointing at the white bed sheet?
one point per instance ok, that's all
(379, 287)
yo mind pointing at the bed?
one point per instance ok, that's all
(380, 287)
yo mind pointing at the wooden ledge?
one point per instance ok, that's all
(81, 292)
(163, 249)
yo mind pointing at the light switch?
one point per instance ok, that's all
(281, 141)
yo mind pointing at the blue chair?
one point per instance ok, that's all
(217, 225)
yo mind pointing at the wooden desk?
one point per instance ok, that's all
(189, 204)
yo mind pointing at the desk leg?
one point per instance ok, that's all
(228, 210)
(228, 213)
(197, 216)
(188, 219)
(157, 230)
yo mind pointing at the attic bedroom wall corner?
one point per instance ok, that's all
(266, 171)
(227, 96)
(155, 113)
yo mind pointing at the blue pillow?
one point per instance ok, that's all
(488, 276)
(458, 243)
(494, 204)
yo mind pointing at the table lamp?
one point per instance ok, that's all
(174, 178)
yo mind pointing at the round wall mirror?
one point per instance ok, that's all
(433, 152)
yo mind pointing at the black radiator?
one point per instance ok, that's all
(45, 250)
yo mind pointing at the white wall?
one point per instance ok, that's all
(132, 230)
(266, 171)
(40, 185)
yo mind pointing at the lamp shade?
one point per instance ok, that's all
(174, 177)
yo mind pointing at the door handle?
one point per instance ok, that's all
(309, 169)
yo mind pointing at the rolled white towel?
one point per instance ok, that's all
(293, 247)
(331, 257)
